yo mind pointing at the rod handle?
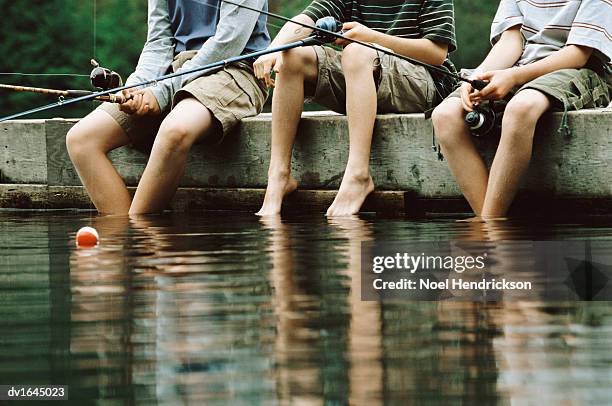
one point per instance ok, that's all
(115, 98)
(479, 84)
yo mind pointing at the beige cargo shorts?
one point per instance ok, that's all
(401, 86)
(570, 89)
(231, 94)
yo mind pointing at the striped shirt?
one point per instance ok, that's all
(549, 25)
(413, 19)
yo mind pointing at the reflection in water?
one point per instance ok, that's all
(100, 314)
(230, 309)
(295, 343)
(365, 331)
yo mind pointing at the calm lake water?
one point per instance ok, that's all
(224, 308)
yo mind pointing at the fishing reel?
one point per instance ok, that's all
(485, 120)
(103, 78)
(328, 24)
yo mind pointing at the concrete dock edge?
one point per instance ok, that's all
(233, 174)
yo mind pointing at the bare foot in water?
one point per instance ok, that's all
(353, 192)
(278, 188)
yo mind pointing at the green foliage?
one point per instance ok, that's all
(473, 24)
(286, 8)
(57, 36)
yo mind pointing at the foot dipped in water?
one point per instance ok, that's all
(353, 192)
(279, 186)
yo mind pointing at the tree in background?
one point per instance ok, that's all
(473, 24)
(57, 36)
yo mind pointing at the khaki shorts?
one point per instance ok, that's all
(570, 89)
(401, 86)
(231, 94)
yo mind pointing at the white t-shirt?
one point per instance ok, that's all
(549, 25)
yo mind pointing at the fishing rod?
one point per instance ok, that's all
(111, 98)
(317, 39)
(333, 30)
(101, 79)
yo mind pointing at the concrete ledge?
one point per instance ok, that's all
(191, 199)
(42, 197)
(580, 166)
(23, 152)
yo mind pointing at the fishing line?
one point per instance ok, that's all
(95, 28)
(94, 42)
(42, 74)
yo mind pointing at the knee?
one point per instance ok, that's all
(522, 109)
(297, 60)
(448, 121)
(357, 58)
(78, 142)
(174, 137)
(520, 118)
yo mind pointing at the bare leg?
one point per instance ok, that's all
(187, 122)
(88, 142)
(361, 106)
(299, 65)
(514, 151)
(459, 150)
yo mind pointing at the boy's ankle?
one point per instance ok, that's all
(279, 174)
(358, 175)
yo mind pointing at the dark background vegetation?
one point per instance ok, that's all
(57, 36)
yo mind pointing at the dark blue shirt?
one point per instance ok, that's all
(195, 21)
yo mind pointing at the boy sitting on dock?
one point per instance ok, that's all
(548, 54)
(358, 81)
(182, 35)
